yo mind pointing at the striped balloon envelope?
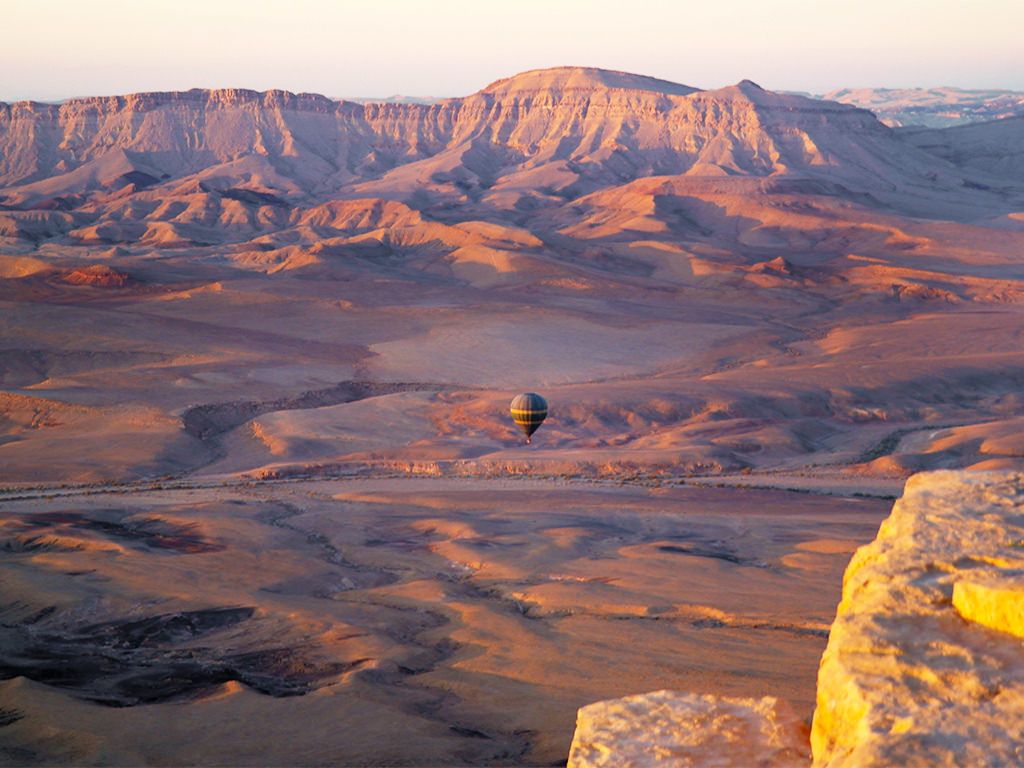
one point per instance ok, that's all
(529, 411)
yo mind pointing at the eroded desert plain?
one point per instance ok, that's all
(262, 502)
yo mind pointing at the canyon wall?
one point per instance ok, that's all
(594, 126)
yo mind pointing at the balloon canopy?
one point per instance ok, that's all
(529, 411)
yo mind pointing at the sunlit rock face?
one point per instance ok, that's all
(542, 137)
(924, 664)
(671, 728)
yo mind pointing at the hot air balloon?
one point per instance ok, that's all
(529, 411)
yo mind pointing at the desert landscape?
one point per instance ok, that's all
(933, 107)
(262, 501)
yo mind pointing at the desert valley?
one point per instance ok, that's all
(261, 499)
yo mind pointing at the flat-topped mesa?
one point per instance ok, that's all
(924, 663)
(582, 79)
(616, 125)
(146, 101)
(570, 129)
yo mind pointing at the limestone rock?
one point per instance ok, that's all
(670, 728)
(996, 603)
(625, 125)
(924, 664)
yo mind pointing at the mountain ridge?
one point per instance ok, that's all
(585, 78)
(537, 138)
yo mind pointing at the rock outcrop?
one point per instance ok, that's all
(99, 275)
(668, 728)
(924, 664)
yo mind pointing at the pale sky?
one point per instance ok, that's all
(54, 49)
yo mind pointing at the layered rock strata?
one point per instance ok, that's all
(605, 126)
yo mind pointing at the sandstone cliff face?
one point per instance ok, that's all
(589, 123)
(924, 664)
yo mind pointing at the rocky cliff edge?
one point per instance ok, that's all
(924, 664)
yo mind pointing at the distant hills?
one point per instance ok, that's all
(242, 162)
(932, 107)
(397, 98)
(730, 278)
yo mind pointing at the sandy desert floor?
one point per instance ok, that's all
(343, 621)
